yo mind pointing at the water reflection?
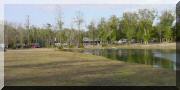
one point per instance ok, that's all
(157, 58)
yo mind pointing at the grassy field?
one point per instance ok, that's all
(50, 67)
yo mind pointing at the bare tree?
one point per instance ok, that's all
(79, 20)
(28, 29)
(92, 33)
(71, 34)
(59, 24)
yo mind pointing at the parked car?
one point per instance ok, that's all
(122, 41)
(133, 41)
(35, 45)
(153, 40)
(18, 45)
(2, 47)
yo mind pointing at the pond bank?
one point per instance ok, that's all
(135, 46)
(149, 46)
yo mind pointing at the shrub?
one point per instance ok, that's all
(104, 45)
(60, 47)
(71, 46)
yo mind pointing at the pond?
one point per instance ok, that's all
(157, 58)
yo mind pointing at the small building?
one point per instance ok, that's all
(88, 41)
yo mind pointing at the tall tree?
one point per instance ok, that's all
(60, 24)
(113, 24)
(166, 21)
(28, 30)
(130, 24)
(102, 30)
(10, 34)
(92, 33)
(79, 21)
(48, 35)
(146, 18)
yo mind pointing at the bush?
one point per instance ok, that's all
(60, 47)
(81, 46)
(104, 45)
(71, 46)
(13, 47)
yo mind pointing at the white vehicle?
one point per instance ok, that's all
(122, 41)
(2, 47)
(57, 44)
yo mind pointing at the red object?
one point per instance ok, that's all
(35, 45)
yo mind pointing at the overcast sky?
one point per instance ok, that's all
(91, 1)
(44, 13)
(141, 2)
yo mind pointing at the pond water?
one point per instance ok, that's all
(155, 57)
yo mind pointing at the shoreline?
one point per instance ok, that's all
(165, 46)
(149, 46)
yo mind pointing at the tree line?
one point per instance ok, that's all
(142, 26)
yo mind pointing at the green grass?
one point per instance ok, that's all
(48, 67)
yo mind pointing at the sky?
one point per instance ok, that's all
(41, 14)
(91, 1)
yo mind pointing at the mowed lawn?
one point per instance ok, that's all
(49, 67)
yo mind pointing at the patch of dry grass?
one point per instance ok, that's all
(139, 46)
(49, 67)
(149, 46)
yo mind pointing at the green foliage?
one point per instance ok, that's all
(92, 31)
(104, 45)
(60, 47)
(166, 20)
(113, 28)
(102, 30)
(129, 24)
(168, 34)
(71, 46)
(81, 46)
(146, 18)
